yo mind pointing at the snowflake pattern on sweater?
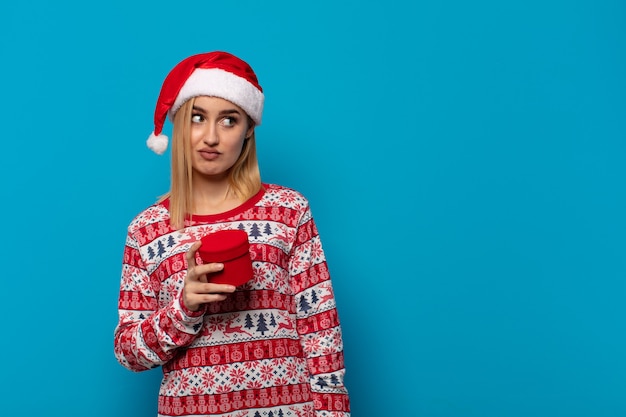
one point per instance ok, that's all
(271, 349)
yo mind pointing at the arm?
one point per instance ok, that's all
(148, 336)
(318, 323)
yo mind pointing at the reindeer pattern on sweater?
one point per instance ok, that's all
(272, 349)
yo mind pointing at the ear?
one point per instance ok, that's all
(250, 131)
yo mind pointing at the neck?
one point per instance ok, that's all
(212, 197)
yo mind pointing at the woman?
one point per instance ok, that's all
(270, 347)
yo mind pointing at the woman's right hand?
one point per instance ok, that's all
(197, 290)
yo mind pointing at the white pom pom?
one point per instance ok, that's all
(158, 143)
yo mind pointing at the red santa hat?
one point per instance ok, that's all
(216, 74)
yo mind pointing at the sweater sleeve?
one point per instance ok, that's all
(147, 336)
(318, 322)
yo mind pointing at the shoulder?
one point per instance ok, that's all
(281, 196)
(156, 213)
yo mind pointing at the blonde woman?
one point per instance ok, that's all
(270, 346)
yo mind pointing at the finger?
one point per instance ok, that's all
(196, 293)
(209, 298)
(194, 301)
(204, 288)
(200, 273)
(210, 268)
(190, 256)
(219, 288)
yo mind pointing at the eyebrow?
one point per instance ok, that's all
(221, 113)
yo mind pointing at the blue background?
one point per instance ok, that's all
(464, 162)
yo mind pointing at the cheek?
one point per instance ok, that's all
(237, 143)
(242, 144)
(236, 150)
(195, 134)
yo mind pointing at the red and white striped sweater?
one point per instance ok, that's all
(273, 348)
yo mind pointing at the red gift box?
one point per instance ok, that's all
(231, 248)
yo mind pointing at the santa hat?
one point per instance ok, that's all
(216, 74)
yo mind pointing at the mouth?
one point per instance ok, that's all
(209, 155)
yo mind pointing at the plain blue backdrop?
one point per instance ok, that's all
(464, 162)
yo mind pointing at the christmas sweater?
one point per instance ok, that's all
(273, 348)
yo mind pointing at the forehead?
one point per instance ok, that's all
(211, 104)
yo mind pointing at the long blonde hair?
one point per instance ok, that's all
(244, 176)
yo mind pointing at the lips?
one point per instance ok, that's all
(209, 155)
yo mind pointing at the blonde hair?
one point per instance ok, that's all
(244, 176)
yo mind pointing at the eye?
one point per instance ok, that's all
(229, 121)
(197, 118)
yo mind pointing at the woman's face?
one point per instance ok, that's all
(218, 131)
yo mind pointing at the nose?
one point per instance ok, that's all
(210, 137)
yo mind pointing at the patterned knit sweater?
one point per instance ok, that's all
(271, 349)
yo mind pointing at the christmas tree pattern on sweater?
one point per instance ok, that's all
(273, 348)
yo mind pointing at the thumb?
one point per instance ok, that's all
(190, 256)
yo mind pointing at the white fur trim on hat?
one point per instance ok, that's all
(219, 83)
(158, 143)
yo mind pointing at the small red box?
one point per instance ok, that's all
(230, 247)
